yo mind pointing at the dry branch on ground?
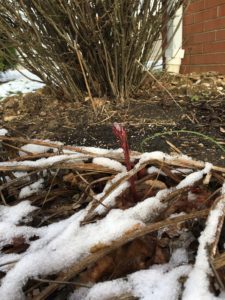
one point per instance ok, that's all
(105, 236)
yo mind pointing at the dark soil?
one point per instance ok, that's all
(198, 105)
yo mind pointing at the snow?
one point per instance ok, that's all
(191, 196)
(31, 189)
(223, 189)
(110, 199)
(63, 243)
(197, 284)
(154, 170)
(141, 210)
(156, 155)
(49, 254)
(161, 156)
(110, 163)
(101, 151)
(160, 282)
(13, 214)
(194, 177)
(102, 290)
(17, 83)
(3, 131)
(34, 149)
(46, 162)
(181, 171)
(150, 207)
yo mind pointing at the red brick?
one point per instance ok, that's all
(205, 15)
(196, 6)
(214, 47)
(194, 28)
(200, 68)
(185, 69)
(193, 49)
(220, 35)
(205, 59)
(186, 60)
(221, 11)
(218, 23)
(204, 51)
(213, 3)
(218, 68)
(188, 19)
(202, 37)
(191, 69)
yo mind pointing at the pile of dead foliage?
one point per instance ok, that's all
(195, 86)
(81, 223)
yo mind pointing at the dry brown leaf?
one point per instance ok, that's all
(222, 130)
(156, 184)
(129, 258)
(18, 245)
(162, 255)
(70, 178)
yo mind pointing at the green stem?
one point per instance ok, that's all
(206, 137)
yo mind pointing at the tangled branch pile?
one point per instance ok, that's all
(91, 47)
(68, 222)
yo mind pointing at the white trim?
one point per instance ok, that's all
(174, 53)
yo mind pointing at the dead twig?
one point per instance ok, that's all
(50, 187)
(160, 84)
(63, 282)
(3, 198)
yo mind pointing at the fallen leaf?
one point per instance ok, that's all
(9, 118)
(18, 245)
(162, 255)
(156, 184)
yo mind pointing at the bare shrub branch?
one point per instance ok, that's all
(110, 37)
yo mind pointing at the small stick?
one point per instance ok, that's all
(214, 244)
(159, 83)
(9, 263)
(3, 198)
(85, 77)
(172, 146)
(33, 156)
(63, 282)
(17, 148)
(49, 190)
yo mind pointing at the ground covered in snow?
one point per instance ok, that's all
(72, 227)
(19, 81)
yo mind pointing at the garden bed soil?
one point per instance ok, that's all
(189, 103)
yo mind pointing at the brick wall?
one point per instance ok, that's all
(204, 36)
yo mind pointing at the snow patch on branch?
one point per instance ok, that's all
(197, 285)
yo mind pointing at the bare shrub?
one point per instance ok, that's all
(8, 56)
(82, 47)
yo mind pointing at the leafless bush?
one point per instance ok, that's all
(8, 56)
(82, 47)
